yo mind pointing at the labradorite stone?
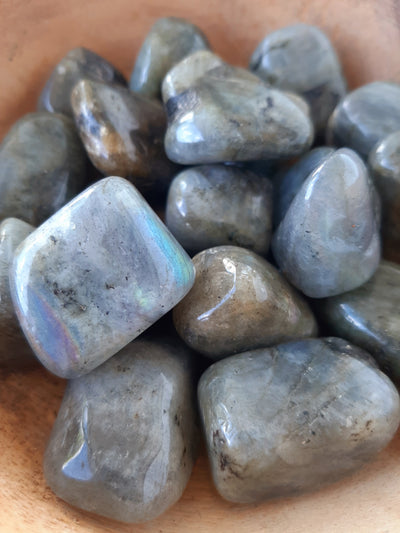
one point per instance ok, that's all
(328, 243)
(123, 134)
(239, 302)
(14, 350)
(231, 116)
(94, 276)
(369, 316)
(301, 59)
(212, 205)
(384, 163)
(290, 419)
(169, 40)
(365, 116)
(188, 72)
(125, 439)
(78, 64)
(289, 183)
(42, 166)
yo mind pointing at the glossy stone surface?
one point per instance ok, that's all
(329, 243)
(168, 41)
(188, 72)
(14, 350)
(384, 163)
(78, 64)
(291, 181)
(365, 116)
(239, 302)
(212, 205)
(125, 439)
(231, 116)
(301, 59)
(290, 419)
(369, 316)
(94, 276)
(123, 134)
(42, 166)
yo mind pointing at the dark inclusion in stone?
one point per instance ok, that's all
(125, 439)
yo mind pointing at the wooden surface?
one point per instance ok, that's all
(34, 34)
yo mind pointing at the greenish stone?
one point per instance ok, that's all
(125, 438)
(212, 205)
(282, 421)
(369, 316)
(168, 41)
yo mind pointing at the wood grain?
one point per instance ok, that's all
(34, 34)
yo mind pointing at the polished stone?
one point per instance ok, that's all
(123, 134)
(291, 181)
(14, 350)
(168, 41)
(329, 243)
(365, 116)
(188, 72)
(239, 302)
(212, 205)
(94, 276)
(370, 317)
(78, 64)
(42, 166)
(301, 59)
(125, 439)
(290, 419)
(384, 163)
(229, 115)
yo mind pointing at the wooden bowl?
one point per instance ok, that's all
(34, 35)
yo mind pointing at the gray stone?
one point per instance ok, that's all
(189, 72)
(239, 302)
(78, 64)
(212, 205)
(125, 438)
(328, 243)
(291, 181)
(94, 276)
(384, 163)
(365, 116)
(301, 59)
(42, 166)
(14, 350)
(169, 40)
(290, 419)
(230, 115)
(369, 316)
(123, 134)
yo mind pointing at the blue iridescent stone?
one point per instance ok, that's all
(94, 276)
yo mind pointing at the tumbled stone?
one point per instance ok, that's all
(123, 134)
(14, 350)
(94, 276)
(290, 419)
(369, 316)
(125, 439)
(78, 64)
(239, 302)
(188, 73)
(42, 166)
(211, 205)
(301, 59)
(291, 181)
(168, 41)
(365, 116)
(231, 116)
(384, 162)
(328, 243)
